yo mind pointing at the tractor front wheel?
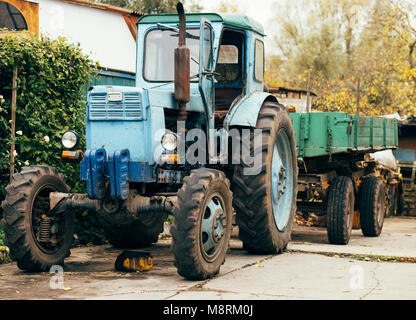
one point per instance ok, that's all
(201, 228)
(36, 238)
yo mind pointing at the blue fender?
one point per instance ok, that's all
(244, 112)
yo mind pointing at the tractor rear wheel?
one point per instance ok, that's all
(340, 210)
(372, 206)
(136, 234)
(266, 201)
(37, 239)
(202, 224)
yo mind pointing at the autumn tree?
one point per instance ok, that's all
(343, 42)
(227, 6)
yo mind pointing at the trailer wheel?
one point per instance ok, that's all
(393, 197)
(372, 206)
(266, 201)
(37, 240)
(400, 204)
(202, 224)
(340, 210)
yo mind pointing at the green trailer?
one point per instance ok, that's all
(338, 178)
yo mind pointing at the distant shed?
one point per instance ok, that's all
(406, 160)
(292, 98)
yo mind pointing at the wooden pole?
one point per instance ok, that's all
(358, 97)
(308, 97)
(13, 133)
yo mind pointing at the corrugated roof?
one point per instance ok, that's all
(231, 19)
(286, 89)
(103, 6)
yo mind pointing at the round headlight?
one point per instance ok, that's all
(169, 141)
(69, 139)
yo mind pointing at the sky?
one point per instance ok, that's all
(264, 11)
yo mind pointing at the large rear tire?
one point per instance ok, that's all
(202, 224)
(28, 223)
(372, 206)
(136, 234)
(266, 202)
(340, 210)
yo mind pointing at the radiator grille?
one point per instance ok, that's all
(127, 109)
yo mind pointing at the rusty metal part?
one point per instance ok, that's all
(136, 204)
(60, 202)
(139, 204)
(182, 24)
(182, 66)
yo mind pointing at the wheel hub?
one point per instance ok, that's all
(218, 226)
(281, 180)
(213, 226)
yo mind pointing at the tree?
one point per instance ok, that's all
(343, 41)
(227, 6)
(53, 77)
(321, 41)
(152, 6)
(272, 71)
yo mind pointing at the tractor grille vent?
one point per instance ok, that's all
(129, 108)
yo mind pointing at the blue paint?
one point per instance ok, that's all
(282, 180)
(245, 111)
(117, 168)
(141, 172)
(405, 155)
(111, 174)
(206, 82)
(93, 170)
(121, 161)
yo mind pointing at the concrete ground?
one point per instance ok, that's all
(367, 268)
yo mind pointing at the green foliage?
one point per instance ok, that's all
(4, 251)
(51, 86)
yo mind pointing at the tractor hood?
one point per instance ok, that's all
(119, 118)
(132, 118)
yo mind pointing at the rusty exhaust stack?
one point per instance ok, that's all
(182, 66)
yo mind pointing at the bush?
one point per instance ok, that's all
(52, 79)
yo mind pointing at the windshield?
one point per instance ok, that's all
(159, 57)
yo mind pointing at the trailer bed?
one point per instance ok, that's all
(326, 133)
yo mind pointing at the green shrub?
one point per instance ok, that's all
(52, 79)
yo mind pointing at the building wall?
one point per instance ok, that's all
(300, 104)
(102, 34)
(30, 11)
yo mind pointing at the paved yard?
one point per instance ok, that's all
(368, 268)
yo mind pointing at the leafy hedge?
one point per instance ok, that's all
(52, 79)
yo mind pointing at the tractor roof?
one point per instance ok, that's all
(231, 19)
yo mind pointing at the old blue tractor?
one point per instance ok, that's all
(199, 137)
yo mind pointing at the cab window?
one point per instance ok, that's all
(259, 61)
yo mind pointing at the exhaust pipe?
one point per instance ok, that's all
(182, 66)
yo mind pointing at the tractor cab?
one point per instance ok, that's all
(226, 44)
